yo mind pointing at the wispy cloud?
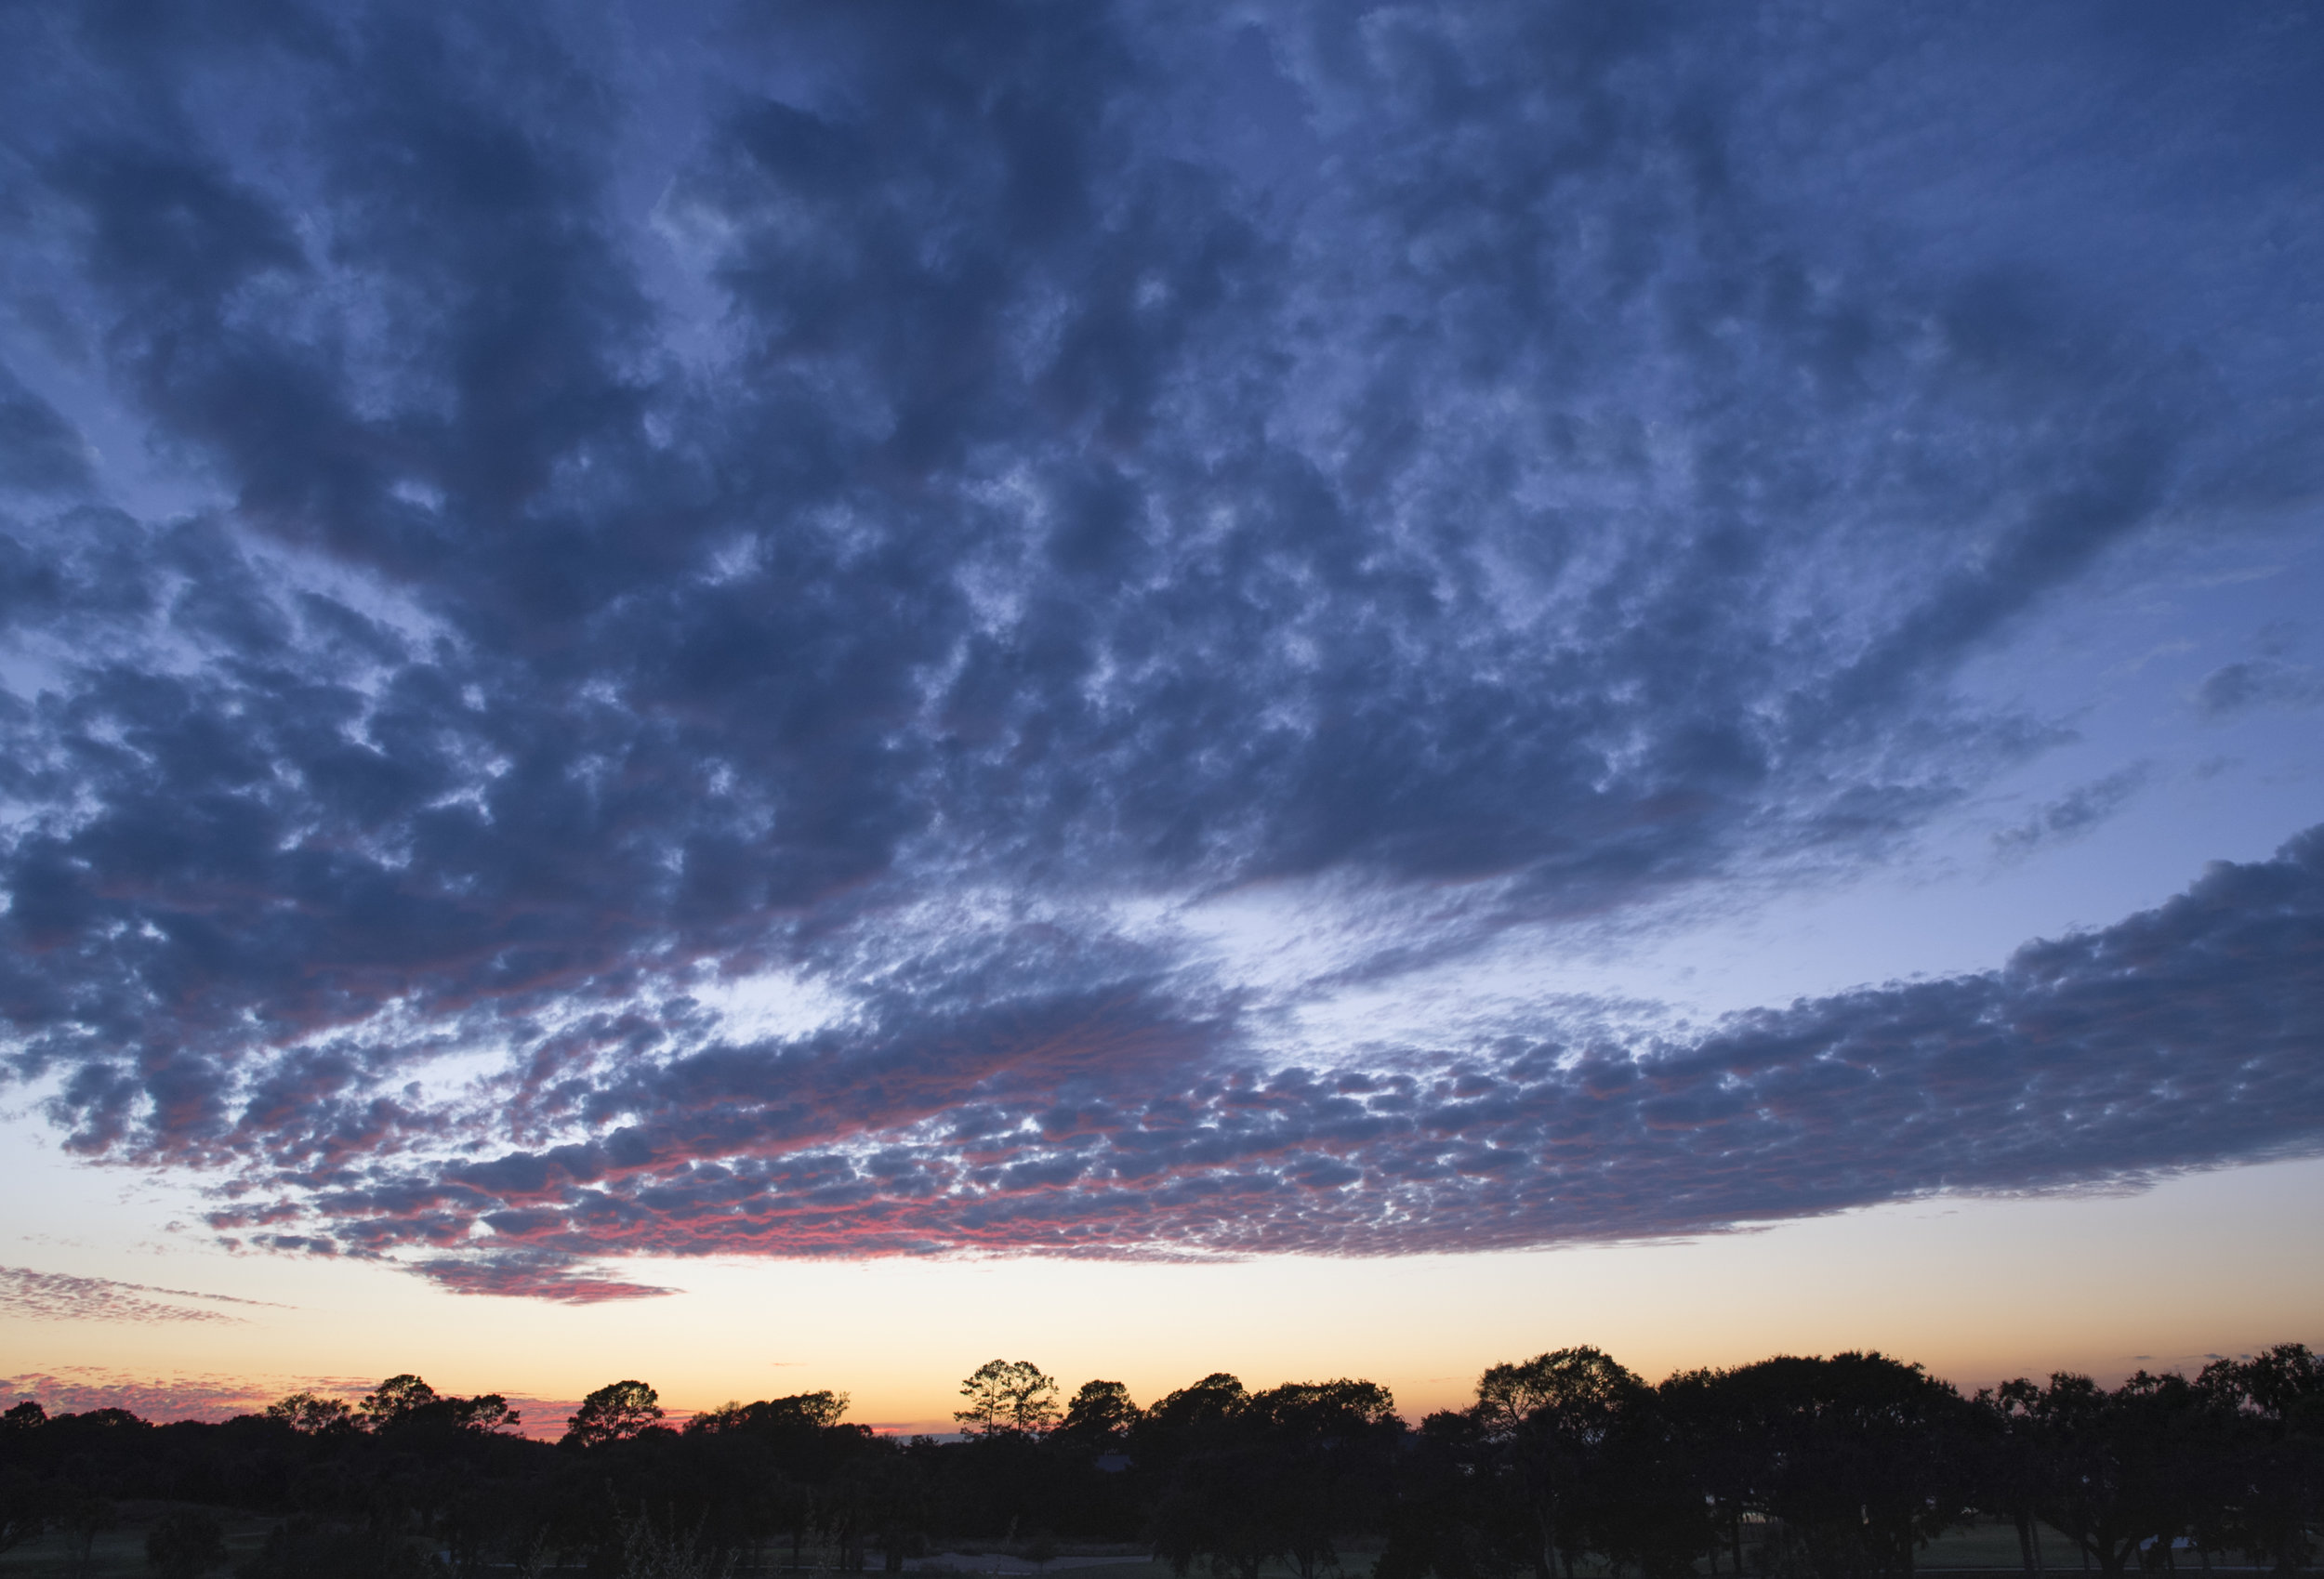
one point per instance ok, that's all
(2259, 683)
(2073, 814)
(59, 1296)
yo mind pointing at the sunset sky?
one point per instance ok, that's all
(785, 696)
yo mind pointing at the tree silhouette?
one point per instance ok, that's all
(1843, 1466)
(2126, 1468)
(1008, 1395)
(1452, 1516)
(485, 1411)
(806, 1411)
(1188, 1421)
(614, 1412)
(392, 1401)
(1855, 1457)
(1550, 1416)
(1100, 1416)
(400, 1404)
(1326, 1448)
(1282, 1474)
(2011, 1463)
(2277, 1399)
(309, 1414)
(1650, 1507)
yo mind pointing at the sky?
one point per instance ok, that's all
(782, 696)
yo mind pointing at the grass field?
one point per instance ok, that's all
(118, 1553)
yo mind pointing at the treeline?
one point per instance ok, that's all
(1822, 1468)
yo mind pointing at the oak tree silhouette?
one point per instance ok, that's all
(614, 1412)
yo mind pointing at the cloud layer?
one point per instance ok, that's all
(2183, 1037)
(524, 534)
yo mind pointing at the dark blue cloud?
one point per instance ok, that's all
(39, 450)
(890, 498)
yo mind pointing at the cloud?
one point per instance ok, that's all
(2237, 688)
(521, 1276)
(2178, 1038)
(925, 504)
(59, 1296)
(2073, 814)
(39, 450)
(79, 1388)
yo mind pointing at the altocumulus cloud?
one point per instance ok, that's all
(2180, 1037)
(520, 530)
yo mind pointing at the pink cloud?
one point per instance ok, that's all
(77, 1389)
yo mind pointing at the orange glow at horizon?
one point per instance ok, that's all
(1977, 1290)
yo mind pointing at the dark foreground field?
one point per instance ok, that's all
(118, 1553)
